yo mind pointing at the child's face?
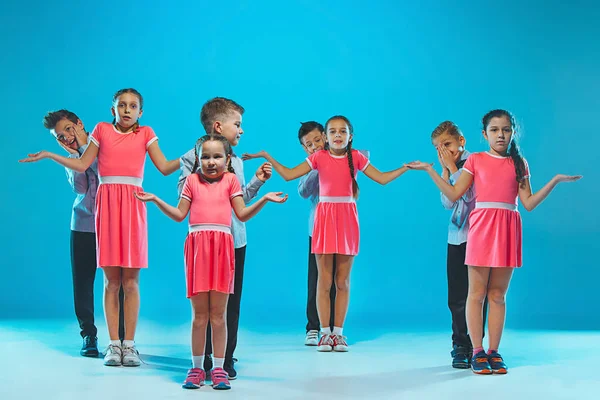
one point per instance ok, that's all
(338, 134)
(454, 144)
(126, 110)
(213, 159)
(64, 132)
(313, 141)
(499, 134)
(231, 128)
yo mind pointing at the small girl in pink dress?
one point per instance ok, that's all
(336, 229)
(121, 228)
(500, 176)
(209, 195)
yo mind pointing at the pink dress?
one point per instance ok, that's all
(336, 229)
(121, 227)
(208, 251)
(495, 232)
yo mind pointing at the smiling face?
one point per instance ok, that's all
(64, 132)
(313, 141)
(455, 144)
(230, 127)
(338, 135)
(126, 110)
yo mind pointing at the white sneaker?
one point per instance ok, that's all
(326, 343)
(113, 355)
(312, 338)
(131, 357)
(339, 343)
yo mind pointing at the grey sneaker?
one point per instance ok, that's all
(131, 357)
(312, 338)
(113, 355)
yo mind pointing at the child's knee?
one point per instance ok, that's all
(130, 285)
(496, 296)
(112, 284)
(342, 285)
(200, 318)
(477, 295)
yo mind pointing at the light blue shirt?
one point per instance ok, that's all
(238, 228)
(458, 227)
(85, 185)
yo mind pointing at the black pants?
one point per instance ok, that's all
(458, 289)
(311, 305)
(233, 308)
(84, 267)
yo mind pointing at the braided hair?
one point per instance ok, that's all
(355, 189)
(215, 138)
(513, 151)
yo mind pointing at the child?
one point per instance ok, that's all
(312, 139)
(70, 134)
(336, 230)
(121, 231)
(224, 117)
(452, 155)
(500, 176)
(210, 195)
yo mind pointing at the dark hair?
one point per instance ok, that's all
(355, 189)
(54, 117)
(216, 138)
(308, 127)
(133, 92)
(217, 109)
(513, 150)
(446, 127)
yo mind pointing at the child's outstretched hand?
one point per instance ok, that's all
(419, 165)
(250, 156)
(567, 178)
(276, 197)
(264, 172)
(143, 196)
(40, 155)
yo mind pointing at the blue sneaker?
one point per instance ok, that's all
(461, 357)
(497, 363)
(480, 364)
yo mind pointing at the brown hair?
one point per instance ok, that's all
(446, 127)
(217, 109)
(355, 188)
(53, 118)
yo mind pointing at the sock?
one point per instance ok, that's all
(116, 342)
(198, 361)
(128, 343)
(490, 351)
(325, 331)
(337, 330)
(477, 350)
(218, 362)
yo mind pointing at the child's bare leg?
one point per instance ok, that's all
(342, 286)
(217, 308)
(112, 285)
(496, 293)
(200, 307)
(478, 282)
(131, 289)
(324, 281)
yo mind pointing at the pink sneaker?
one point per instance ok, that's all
(326, 343)
(195, 379)
(339, 343)
(220, 379)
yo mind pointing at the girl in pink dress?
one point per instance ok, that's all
(336, 229)
(121, 228)
(209, 195)
(500, 176)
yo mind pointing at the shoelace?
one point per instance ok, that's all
(339, 339)
(132, 350)
(219, 375)
(112, 348)
(326, 340)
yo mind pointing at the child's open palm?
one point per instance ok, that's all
(568, 178)
(40, 155)
(143, 196)
(250, 156)
(276, 197)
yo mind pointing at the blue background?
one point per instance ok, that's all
(396, 70)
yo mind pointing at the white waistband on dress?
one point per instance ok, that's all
(209, 227)
(336, 199)
(496, 204)
(124, 180)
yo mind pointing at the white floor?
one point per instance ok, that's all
(39, 359)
